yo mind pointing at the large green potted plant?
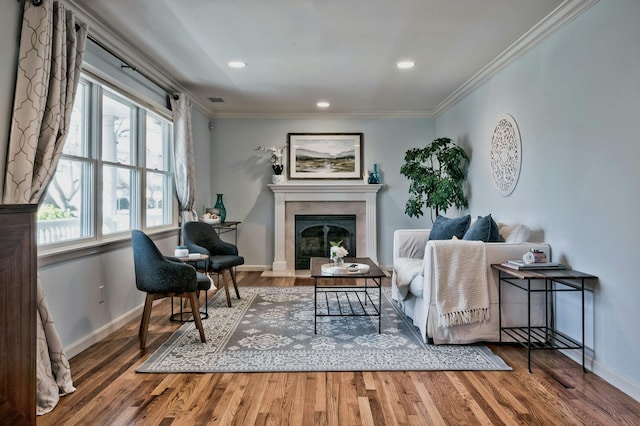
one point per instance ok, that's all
(436, 175)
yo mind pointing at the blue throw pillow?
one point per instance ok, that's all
(484, 229)
(445, 228)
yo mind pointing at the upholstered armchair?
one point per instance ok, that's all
(160, 277)
(200, 237)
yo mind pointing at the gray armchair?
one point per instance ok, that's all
(160, 277)
(200, 237)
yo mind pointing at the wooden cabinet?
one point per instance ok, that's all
(18, 269)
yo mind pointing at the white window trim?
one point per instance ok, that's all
(59, 252)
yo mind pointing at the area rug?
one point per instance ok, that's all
(271, 329)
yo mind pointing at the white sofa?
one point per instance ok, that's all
(413, 260)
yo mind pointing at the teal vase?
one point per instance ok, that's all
(374, 177)
(220, 206)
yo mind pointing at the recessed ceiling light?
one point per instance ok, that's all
(323, 104)
(237, 64)
(406, 64)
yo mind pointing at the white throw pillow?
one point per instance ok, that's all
(514, 233)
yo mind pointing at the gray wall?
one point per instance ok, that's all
(241, 173)
(576, 99)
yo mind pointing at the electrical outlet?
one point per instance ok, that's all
(101, 294)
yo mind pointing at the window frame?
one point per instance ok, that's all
(97, 242)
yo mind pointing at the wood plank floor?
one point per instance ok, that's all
(110, 392)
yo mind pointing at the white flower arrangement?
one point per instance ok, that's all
(277, 153)
(337, 251)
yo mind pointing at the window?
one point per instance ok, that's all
(114, 173)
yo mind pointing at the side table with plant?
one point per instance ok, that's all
(436, 175)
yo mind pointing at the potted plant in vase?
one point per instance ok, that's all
(436, 174)
(277, 165)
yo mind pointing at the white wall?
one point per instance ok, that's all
(576, 99)
(241, 173)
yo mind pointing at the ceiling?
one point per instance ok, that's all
(299, 52)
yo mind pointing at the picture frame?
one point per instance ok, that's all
(325, 155)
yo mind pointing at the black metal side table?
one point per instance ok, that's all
(182, 315)
(228, 226)
(555, 280)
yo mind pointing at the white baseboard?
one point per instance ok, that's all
(249, 268)
(612, 377)
(76, 347)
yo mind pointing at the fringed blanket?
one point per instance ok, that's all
(461, 286)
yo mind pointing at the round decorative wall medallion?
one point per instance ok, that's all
(506, 155)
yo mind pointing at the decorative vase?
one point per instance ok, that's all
(220, 206)
(338, 262)
(374, 177)
(277, 179)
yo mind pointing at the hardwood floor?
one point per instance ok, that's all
(110, 392)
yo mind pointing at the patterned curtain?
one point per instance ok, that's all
(184, 167)
(51, 49)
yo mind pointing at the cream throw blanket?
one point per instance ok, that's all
(461, 286)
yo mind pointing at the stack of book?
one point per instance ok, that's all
(521, 264)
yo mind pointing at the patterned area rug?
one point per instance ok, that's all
(271, 329)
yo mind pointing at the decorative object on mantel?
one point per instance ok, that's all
(436, 174)
(220, 206)
(325, 155)
(506, 155)
(277, 165)
(374, 176)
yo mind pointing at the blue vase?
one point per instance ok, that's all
(220, 206)
(374, 177)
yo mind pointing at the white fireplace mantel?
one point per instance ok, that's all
(322, 192)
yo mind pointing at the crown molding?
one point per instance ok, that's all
(562, 15)
(320, 114)
(558, 18)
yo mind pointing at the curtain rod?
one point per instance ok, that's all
(34, 2)
(125, 64)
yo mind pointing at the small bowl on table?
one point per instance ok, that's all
(210, 221)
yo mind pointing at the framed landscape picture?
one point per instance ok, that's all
(325, 155)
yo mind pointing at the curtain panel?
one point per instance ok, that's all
(183, 160)
(51, 48)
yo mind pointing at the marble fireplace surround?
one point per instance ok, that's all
(323, 198)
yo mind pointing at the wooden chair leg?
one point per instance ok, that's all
(232, 271)
(195, 308)
(225, 283)
(144, 321)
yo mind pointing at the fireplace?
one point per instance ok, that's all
(314, 233)
(292, 199)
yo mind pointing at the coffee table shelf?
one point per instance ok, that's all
(342, 295)
(348, 302)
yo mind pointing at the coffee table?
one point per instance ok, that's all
(346, 294)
